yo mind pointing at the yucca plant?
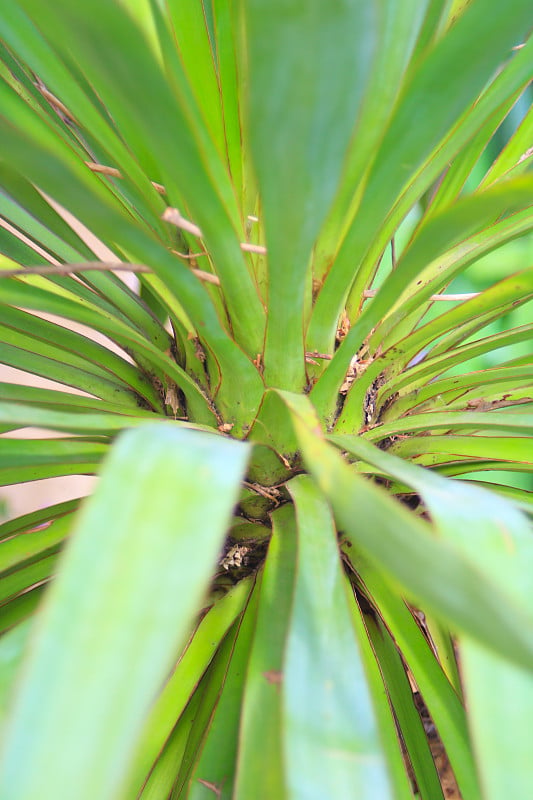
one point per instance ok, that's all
(291, 581)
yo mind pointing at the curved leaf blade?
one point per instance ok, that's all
(453, 589)
(130, 583)
(492, 534)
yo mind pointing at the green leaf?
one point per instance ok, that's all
(397, 27)
(500, 703)
(130, 582)
(464, 164)
(50, 163)
(182, 683)
(31, 459)
(37, 518)
(27, 39)
(434, 23)
(261, 736)
(27, 575)
(438, 98)
(302, 111)
(112, 52)
(387, 722)
(55, 400)
(463, 320)
(445, 230)
(522, 498)
(227, 45)
(73, 349)
(444, 705)
(20, 608)
(192, 41)
(163, 775)
(429, 450)
(12, 646)
(34, 297)
(469, 386)
(453, 589)
(31, 543)
(332, 745)
(457, 421)
(420, 374)
(515, 156)
(21, 415)
(216, 765)
(53, 368)
(210, 688)
(401, 697)
(449, 329)
(495, 537)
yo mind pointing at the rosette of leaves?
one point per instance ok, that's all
(290, 552)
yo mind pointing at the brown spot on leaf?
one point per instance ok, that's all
(273, 676)
(213, 786)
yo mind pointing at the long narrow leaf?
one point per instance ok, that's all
(332, 746)
(261, 737)
(182, 683)
(130, 582)
(497, 538)
(453, 589)
(440, 696)
(301, 116)
(216, 766)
